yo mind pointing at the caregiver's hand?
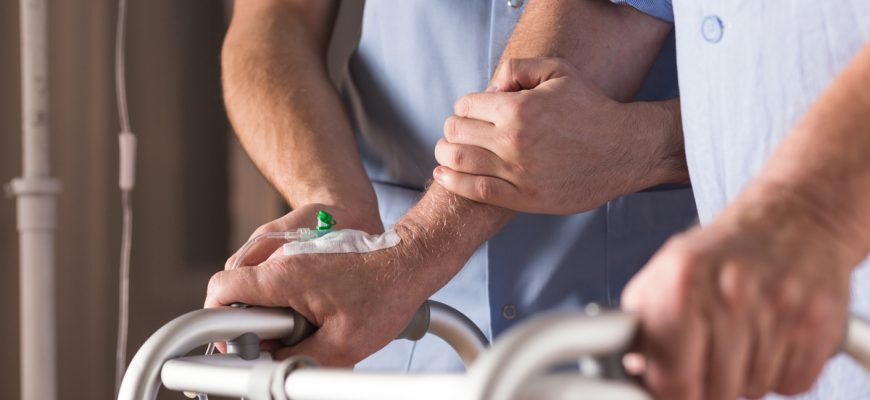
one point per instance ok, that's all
(562, 146)
(752, 303)
(359, 301)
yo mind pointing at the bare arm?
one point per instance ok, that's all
(757, 300)
(286, 112)
(613, 46)
(826, 159)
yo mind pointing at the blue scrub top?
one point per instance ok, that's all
(414, 59)
(749, 70)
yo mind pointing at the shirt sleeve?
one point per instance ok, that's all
(661, 9)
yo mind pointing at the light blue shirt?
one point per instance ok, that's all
(749, 70)
(414, 59)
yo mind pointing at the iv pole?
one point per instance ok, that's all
(36, 197)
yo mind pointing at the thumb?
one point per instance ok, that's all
(517, 74)
(257, 250)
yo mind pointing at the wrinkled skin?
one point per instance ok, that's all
(354, 320)
(755, 302)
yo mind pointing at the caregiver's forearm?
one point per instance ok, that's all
(613, 46)
(285, 110)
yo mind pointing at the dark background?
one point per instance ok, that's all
(197, 196)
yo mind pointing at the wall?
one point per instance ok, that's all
(198, 196)
(184, 224)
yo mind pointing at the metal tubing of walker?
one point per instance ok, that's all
(176, 338)
(164, 349)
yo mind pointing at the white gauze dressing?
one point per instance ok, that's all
(343, 241)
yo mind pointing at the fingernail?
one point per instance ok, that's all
(492, 88)
(437, 173)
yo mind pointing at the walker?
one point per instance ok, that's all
(518, 366)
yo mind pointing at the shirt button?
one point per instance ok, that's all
(515, 3)
(712, 29)
(509, 311)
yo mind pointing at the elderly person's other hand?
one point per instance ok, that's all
(543, 139)
(752, 303)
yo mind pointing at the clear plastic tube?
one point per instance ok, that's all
(299, 235)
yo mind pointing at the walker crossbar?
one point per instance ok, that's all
(515, 368)
(166, 347)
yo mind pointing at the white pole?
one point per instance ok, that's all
(36, 194)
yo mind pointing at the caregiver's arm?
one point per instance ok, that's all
(560, 138)
(286, 112)
(757, 300)
(612, 46)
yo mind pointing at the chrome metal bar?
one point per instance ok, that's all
(458, 331)
(529, 349)
(194, 329)
(218, 374)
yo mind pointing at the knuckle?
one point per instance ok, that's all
(462, 106)
(456, 158)
(512, 109)
(787, 296)
(818, 314)
(483, 189)
(522, 108)
(560, 64)
(450, 128)
(516, 139)
(261, 230)
(512, 64)
(230, 262)
(532, 192)
(733, 287)
(215, 283)
(684, 264)
(513, 139)
(683, 276)
(267, 227)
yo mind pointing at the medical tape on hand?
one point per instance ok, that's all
(343, 241)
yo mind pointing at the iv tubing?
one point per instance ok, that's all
(126, 182)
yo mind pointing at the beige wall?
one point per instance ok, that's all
(184, 224)
(197, 195)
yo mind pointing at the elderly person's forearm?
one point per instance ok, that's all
(825, 162)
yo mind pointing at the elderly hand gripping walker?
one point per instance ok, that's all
(514, 368)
